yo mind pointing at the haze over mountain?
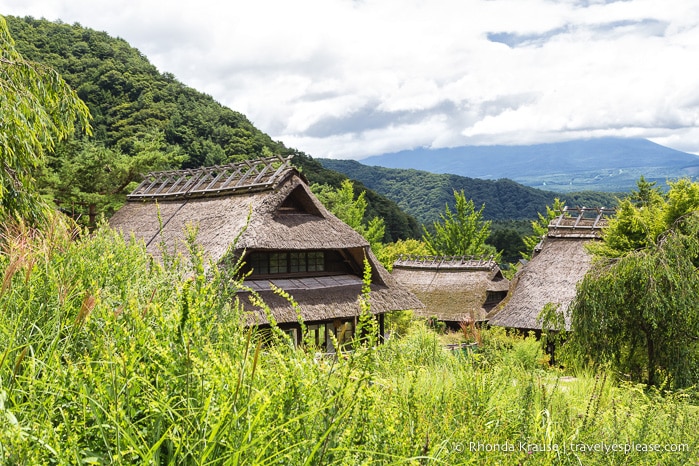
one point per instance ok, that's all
(603, 164)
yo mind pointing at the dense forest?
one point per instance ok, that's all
(132, 102)
(424, 194)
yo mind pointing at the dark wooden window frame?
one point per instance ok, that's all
(294, 263)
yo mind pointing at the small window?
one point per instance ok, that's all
(316, 261)
(296, 262)
(317, 335)
(259, 263)
(278, 262)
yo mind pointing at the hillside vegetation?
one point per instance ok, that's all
(132, 102)
(424, 194)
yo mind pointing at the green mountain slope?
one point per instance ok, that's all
(129, 99)
(424, 194)
(601, 164)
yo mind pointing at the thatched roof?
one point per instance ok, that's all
(255, 206)
(303, 223)
(451, 288)
(323, 298)
(559, 263)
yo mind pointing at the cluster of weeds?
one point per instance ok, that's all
(109, 357)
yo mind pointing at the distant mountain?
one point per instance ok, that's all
(603, 164)
(424, 195)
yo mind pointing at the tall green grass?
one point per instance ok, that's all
(107, 357)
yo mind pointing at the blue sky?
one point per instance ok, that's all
(353, 78)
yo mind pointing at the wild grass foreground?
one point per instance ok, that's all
(109, 358)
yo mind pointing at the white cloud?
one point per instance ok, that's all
(344, 78)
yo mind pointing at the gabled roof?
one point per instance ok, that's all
(284, 215)
(452, 288)
(560, 261)
(267, 206)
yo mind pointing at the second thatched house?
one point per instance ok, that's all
(453, 289)
(264, 212)
(559, 262)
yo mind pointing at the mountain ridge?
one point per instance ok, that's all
(424, 194)
(600, 164)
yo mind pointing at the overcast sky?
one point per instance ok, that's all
(353, 78)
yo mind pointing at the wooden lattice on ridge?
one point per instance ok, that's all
(580, 222)
(245, 176)
(445, 262)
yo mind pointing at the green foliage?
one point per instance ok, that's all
(107, 357)
(84, 173)
(350, 209)
(462, 232)
(638, 303)
(38, 110)
(638, 313)
(398, 323)
(423, 194)
(540, 227)
(645, 214)
(390, 252)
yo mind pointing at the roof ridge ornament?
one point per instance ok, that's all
(446, 261)
(579, 222)
(246, 176)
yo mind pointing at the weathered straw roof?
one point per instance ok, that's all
(559, 263)
(256, 206)
(323, 298)
(452, 288)
(220, 219)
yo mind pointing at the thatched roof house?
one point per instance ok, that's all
(452, 288)
(559, 262)
(290, 240)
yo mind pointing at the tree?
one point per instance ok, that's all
(86, 173)
(343, 204)
(540, 227)
(636, 308)
(644, 215)
(38, 110)
(460, 233)
(639, 312)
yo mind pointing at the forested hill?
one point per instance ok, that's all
(425, 194)
(130, 100)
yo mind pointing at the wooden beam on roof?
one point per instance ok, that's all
(248, 175)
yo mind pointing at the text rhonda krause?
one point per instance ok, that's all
(573, 447)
